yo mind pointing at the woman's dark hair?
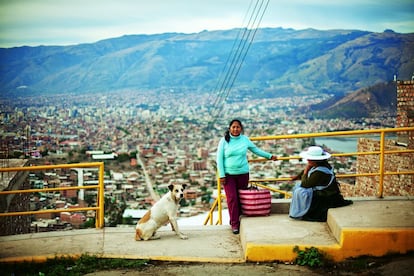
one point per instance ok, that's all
(323, 163)
(227, 133)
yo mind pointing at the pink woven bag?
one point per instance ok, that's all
(255, 202)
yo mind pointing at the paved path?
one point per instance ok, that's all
(205, 244)
(148, 181)
(368, 227)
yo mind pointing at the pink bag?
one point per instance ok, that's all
(255, 202)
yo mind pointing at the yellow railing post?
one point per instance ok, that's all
(219, 206)
(101, 198)
(217, 203)
(381, 165)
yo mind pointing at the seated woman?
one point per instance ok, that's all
(318, 190)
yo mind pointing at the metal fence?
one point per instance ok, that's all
(381, 173)
(99, 208)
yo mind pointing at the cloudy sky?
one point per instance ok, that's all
(64, 22)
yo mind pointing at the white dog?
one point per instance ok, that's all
(164, 211)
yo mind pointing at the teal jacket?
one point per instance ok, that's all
(232, 156)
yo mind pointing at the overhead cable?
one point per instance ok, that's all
(237, 57)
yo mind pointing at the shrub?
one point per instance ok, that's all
(310, 257)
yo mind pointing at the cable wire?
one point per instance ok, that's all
(237, 58)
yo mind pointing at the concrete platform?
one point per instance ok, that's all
(375, 227)
(205, 244)
(368, 227)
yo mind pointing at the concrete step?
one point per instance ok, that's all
(373, 227)
(274, 237)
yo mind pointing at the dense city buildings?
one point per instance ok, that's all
(148, 140)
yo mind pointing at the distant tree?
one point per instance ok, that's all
(184, 203)
(16, 154)
(162, 191)
(123, 130)
(114, 211)
(308, 142)
(339, 165)
(90, 199)
(128, 220)
(90, 223)
(206, 197)
(74, 200)
(123, 157)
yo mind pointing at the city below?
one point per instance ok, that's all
(147, 141)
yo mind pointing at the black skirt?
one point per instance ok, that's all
(318, 210)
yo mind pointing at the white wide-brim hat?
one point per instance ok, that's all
(315, 153)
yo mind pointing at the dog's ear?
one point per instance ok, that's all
(184, 186)
(171, 187)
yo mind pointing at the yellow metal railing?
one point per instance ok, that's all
(381, 152)
(218, 202)
(99, 218)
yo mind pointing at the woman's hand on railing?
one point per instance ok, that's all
(273, 157)
(223, 181)
(293, 178)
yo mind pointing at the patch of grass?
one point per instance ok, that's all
(310, 257)
(69, 266)
(321, 263)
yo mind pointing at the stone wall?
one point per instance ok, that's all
(405, 111)
(394, 185)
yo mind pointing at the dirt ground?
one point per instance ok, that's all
(399, 265)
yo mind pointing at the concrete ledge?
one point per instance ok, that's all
(368, 227)
(205, 244)
(273, 238)
(373, 227)
(280, 206)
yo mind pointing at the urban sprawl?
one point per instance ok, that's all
(147, 141)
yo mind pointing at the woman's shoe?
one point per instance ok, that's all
(236, 231)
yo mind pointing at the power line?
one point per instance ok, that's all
(237, 57)
(241, 56)
(231, 56)
(233, 60)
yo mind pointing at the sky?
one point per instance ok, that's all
(68, 22)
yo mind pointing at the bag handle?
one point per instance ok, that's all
(252, 186)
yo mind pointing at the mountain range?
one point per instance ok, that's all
(277, 62)
(375, 101)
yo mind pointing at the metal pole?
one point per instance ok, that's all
(381, 166)
(219, 207)
(101, 199)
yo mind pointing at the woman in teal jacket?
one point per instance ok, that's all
(233, 167)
